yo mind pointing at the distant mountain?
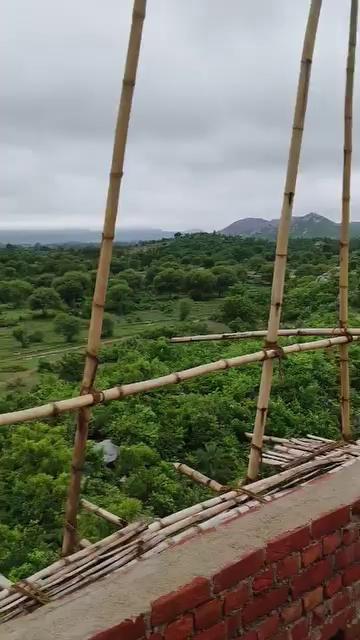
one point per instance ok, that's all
(311, 225)
(77, 236)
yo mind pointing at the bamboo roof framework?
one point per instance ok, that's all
(298, 458)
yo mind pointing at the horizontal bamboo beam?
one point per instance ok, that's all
(120, 392)
(247, 335)
(102, 513)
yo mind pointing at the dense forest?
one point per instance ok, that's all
(190, 284)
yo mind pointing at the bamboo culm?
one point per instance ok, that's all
(102, 276)
(283, 236)
(123, 391)
(284, 333)
(345, 221)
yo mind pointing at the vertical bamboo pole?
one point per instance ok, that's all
(283, 236)
(345, 221)
(97, 312)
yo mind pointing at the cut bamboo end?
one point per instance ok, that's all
(102, 513)
(198, 477)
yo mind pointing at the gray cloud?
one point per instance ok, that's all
(211, 120)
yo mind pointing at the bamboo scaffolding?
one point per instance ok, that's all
(345, 222)
(102, 276)
(102, 513)
(248, 335)
(283, 236)
(123, 391)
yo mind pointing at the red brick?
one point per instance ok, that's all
(262, 605)
(284, 546)
(353, 631)
(357, 549)
(351, 534)
(300, 631)
(338, 623)
(355, 508)
(312, 577)
(292, 612)
(155, 636)
(180, 629)
(268, 627)
(238, 571)
(236, 599)
(233, 624)
(351, 574)
(345, 556)
(252, 635)
(288, 567)
(313, 598)
(208, 614)
(263, 581)
(319, 615)
(311, 554)
(340, 602)
(333, 585)
(217, 632)
(126, 630)
(167, 608)
(330, 522)
(283, 635)
(331, 542)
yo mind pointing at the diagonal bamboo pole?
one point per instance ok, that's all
(120, 392)
(102, 276)
(283, 236)
(345, 220)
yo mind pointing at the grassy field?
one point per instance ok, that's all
(21, 363)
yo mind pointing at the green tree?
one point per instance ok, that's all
(200, 284)
(70, 367)
(108, 326)
(225, 277)
(15, 292)
(72, 287)
(68, 325)
(45, 299)
(184, 309)
(119, 298)
(169, 281)
(20, 334)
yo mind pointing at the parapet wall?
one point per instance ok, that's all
(305, 584)
(289, 571)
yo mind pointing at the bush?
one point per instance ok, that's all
(36, 336)
(108, 326)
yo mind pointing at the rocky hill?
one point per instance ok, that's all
(311, 225)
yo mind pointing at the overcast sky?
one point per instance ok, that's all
(211, 117)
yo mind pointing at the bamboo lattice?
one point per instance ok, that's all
(297, 460)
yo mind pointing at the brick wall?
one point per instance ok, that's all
(302, 585)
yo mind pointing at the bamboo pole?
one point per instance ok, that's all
(345, 221)
(102, 276)
(123, 391)
(198, 477)
(246, 335)
(283, 236)
(102, 513)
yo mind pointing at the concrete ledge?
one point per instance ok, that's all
(127, 594)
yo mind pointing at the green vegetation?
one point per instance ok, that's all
(192, 284)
